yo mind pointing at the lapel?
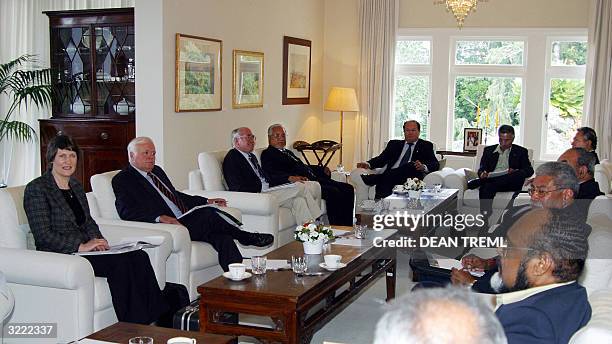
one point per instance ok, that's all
(144, 183)
(57, 198)
(415, 151)
(495, 158)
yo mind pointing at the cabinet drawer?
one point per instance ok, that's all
(91, 133)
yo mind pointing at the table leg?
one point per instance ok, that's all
(390, 279)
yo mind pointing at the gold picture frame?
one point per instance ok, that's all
(198, 81)
(247, 79)
(296, 70)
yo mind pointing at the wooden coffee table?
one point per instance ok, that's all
(122, 332)
(297, 306)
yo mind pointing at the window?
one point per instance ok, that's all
(488, 87)
(412, 85)
(565, 89)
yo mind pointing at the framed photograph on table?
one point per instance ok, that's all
(248, 79)
(198, 74)
(472, 137)
(296, 71)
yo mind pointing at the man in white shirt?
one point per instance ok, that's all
(243, 172)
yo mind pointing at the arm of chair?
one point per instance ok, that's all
(456, 180)
(115, 234)
(179, 263)
(598, 329)
(248, 203)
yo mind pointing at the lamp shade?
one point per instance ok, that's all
(342, 99)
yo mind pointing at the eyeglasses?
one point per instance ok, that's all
(540, 192)
(247, 137)
(503, 251)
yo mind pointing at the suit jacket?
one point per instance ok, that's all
(51, 219)
(422, 151)
(551, 316)
(518, 160)
(589, 190)
(280, 166)
(238, 173)
(137, 200)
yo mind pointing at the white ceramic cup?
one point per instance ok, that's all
(181, 340)
(332, 260)
(237, 270)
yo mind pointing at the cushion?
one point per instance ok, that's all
(597, 273)
(14, 222)
(212, 175)
(203, 256)
(101, 185)
(501, 200)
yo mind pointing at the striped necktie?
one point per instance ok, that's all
(260, 171)
(169, 194)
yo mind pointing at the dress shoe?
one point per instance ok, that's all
(256, 239)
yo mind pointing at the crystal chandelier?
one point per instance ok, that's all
(459, 8)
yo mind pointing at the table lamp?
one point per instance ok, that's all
(344, 100)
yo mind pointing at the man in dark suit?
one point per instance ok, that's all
(586, 138)
(144, 193)
(583, 163)
(544, 257)
(243, 173)
(284, 167)
(503, 157)
(408, 158)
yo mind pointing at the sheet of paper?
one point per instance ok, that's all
(271, 264)
(198, 207)
(449, 263)
(350, 242)
(497, 174)
(120, 248)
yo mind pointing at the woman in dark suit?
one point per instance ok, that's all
(59, 218)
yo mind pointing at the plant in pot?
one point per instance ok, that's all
(23, 87)
(313, 236)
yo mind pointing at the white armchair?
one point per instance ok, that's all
(43, 282)
(603, 175)
(260, 211)
(191, 263)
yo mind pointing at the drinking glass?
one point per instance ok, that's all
(259, 264)
(360, 231)
(437, 187)
(141, 340)
(299, 264)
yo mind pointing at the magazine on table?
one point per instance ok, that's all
(120, 248)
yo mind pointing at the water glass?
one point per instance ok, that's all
(437, 187)
(141, 340)
(259, 264)
(360, 231)
(299, 264)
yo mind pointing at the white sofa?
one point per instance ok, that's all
(603, 176)
(260, 211)
(191, 263)
(61, 288)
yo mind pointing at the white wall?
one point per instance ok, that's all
(257, 25)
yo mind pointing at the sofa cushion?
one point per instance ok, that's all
(597, 273)
(501, 200)
(212, 174)
(14, 221)
(203, 256)
(101, 185)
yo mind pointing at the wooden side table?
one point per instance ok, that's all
(121, 332)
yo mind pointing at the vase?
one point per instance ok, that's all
(313, 247)
(416, 194)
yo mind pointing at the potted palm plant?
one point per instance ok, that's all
(23, 87)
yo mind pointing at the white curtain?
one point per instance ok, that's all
(378, 27)
(599, 93)
(24, 29)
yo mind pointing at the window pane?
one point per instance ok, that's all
(499, 100)
(489, 52)
(412, 52)
(411, 102)
(564, 113)
(568, 53)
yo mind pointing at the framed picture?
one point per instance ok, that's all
(472, 137)
(248, 79)
(198, 74)
(296, 71)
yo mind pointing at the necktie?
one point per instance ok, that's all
(407, 156)
(255, 163)
(171, 196)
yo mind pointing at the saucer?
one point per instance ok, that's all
(228, 275)
(324, 266)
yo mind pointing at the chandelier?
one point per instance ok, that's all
(459, 8)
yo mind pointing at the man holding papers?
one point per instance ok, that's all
(144, 193)
(243, 173)
(503, 167)
(283, 167)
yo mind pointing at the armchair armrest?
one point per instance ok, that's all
(46, 269)
(456, 180)
(157, 255)
(249, 203)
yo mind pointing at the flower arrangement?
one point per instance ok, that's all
(414, 184)
(310, 232)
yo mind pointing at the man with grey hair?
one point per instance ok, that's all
(583, 163)
(442, 316)
(243, 173)
(284, 167)
(144, 193)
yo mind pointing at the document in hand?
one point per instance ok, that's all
(119, 248)
(449, 263)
